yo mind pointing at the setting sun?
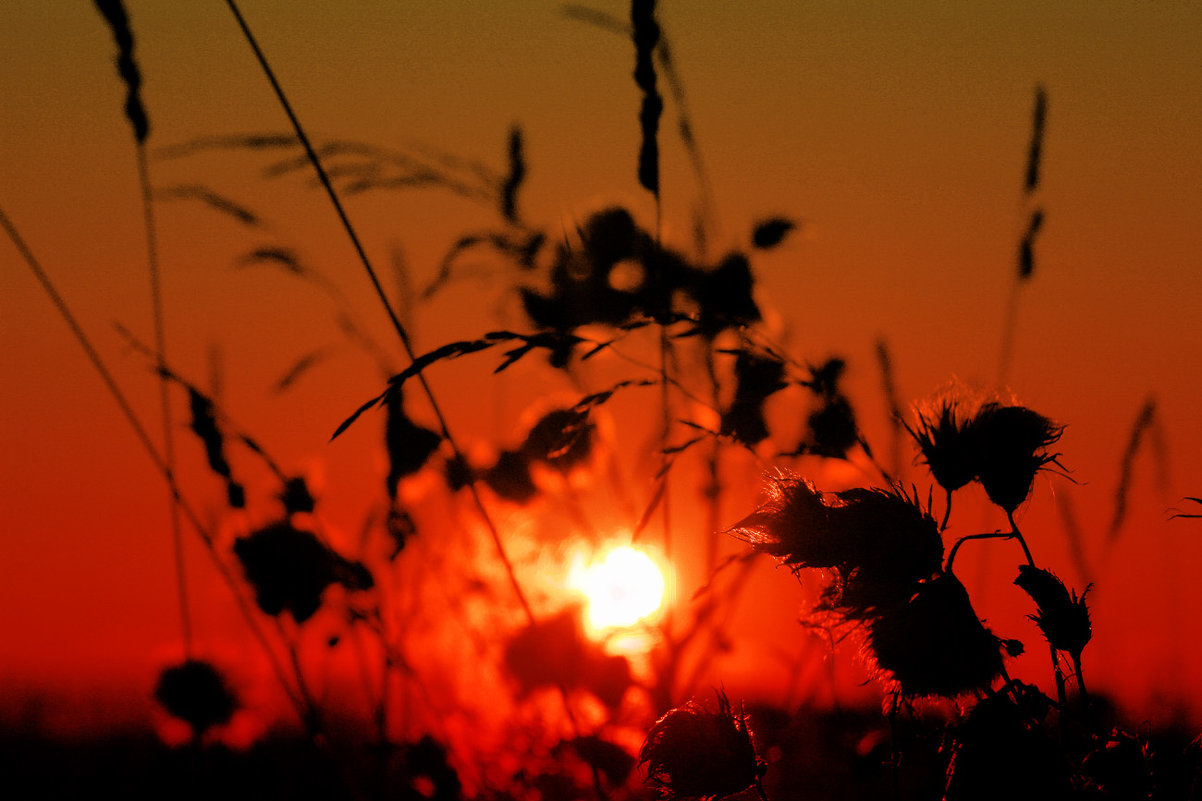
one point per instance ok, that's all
(622, 586)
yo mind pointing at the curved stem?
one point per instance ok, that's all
(1018, 535)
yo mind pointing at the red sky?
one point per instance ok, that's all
(896, 133)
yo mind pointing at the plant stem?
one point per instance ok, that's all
(160, 346)
(144, 438)
(1061, 691)
(402, 334)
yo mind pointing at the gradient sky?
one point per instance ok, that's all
(896, 132)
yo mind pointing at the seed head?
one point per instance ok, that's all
(195, 692)
(692, 752)
(1011, 443)
(290, 569)
(1063, 617)
(935, 644)
(946, 443)
(794, 524)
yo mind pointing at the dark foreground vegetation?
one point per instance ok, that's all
(439, 607)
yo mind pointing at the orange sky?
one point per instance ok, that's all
(897, 133)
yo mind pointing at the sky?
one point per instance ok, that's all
(895, 134)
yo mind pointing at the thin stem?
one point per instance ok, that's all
(1061, 691)
(160, 346)
(402, 334)
(312, 716)
(947, 512)
(993, 535)
(144, 438)
(1080, 679)
(1019, 536)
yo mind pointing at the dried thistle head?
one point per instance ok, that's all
(692, 752)
(880, 542)
(1005, 730)
(831, 429)
(946, 443)
(1062, 616)
(894, 545)
(1011, 444)
(793, 524)
(195, 692)
(935, 644)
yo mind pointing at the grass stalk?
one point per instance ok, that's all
(401, 332)
(152, 451)
(160, 347)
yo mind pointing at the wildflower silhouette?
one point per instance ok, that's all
(946, 445)
(693, 752)
(1001, 446)
(1062, 616)
(881, 543)
(196, 693)
(831, 429)
(1002, 750)
(290, 570)
(934, 644)
(756, 377)
(296, 497)
(1011, 443)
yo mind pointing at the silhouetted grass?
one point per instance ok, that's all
(562, 713)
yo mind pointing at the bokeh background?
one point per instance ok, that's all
(896, 134)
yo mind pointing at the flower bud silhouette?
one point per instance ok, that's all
(195, 692)
(290, 570)
(1062, 617)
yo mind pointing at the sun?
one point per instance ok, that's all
(621, 587)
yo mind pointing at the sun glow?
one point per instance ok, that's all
(622, 587)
